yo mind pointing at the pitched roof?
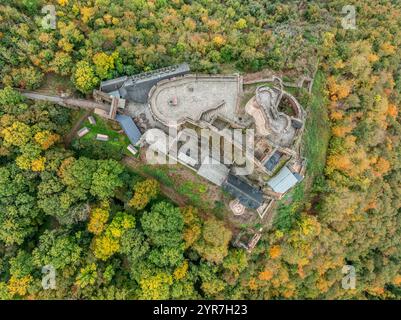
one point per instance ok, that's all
(129, 127)
(187, 159)
(249, 196)
(284, 180)
(273, 161)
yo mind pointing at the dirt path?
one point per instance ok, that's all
(68, 138)
(65, 102)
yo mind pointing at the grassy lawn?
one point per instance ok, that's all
(289, 208)
(106, 127)
(316, 139)
(159, 173)
(317, 130)
(115, 147)
(193, 191)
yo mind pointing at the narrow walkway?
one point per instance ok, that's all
(65, 102)
(68, 138)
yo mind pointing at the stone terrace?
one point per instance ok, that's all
(173, 101)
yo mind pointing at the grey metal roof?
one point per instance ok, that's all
(213, 171)
(136, 88)
(273, 161)
(129, 127)
(113, 84)
(138, 92)
(249, 196)
(296, 123)
(123, 92)
(284, 180)
(115, 93)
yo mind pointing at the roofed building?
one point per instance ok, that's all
(187, 158)
(82, 132)
(136, 88)
(284, 180)
(129, 127)
(273, 161)
(247, 195)
(102, 137)
(92, 120)
(132, 149)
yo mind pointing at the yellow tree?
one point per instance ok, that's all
(105, 246)
(275, 252)
(38, 164)
(145, 191)
(18, 134)
(181, 271)
(45, 139)
(84, 77)
(98, 219)
(103, 64)
(87, 13)
(19, 285)
(107, 243)
(192, 230)
(156, 287)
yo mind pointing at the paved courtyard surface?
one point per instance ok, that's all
(174, 101)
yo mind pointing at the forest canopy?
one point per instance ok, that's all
(113, 234)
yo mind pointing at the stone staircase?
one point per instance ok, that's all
(211, 114)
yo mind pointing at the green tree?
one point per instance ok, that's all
(106, 178)
(213, 243)
(87, 276)
(163, 225)
(58, 250)
(167, 256)
(19, 215)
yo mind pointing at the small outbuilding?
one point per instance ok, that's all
(187, 159)
(102, 137)
(273, 161)
(82, 132)
(132, 149)
(92, 120)
(130, 128)
(247, 195)
(284, 180)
